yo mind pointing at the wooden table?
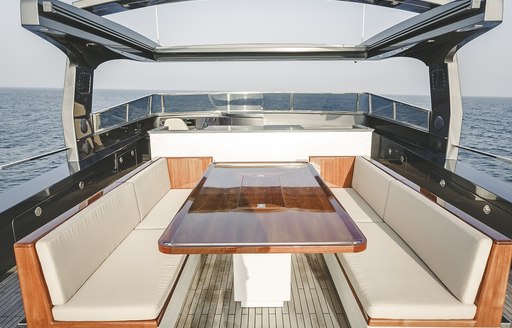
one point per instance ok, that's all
(250, 209)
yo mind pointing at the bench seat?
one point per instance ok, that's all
(355, 205)
(72, 252)
(158, 202)
(423, 266)
(133, 283)
(100, 266)
(366, 200)
(392, 282)
(164, 211)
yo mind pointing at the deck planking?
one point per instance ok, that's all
(314, 301)
(209, 303)
(11, 306)
(507, 308)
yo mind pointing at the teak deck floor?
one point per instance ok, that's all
(210, 301)
(314, 301)
(11, 307)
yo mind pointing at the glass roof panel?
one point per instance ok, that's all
(264, 21)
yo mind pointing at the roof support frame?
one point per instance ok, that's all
(89, 39)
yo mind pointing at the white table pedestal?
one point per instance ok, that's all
(262, 280)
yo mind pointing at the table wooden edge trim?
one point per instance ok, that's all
(261, 249)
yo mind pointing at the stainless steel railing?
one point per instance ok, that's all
(32, 158)
(487, 154)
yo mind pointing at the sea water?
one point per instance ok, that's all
(31, 125)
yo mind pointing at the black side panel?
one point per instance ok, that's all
(425, 170)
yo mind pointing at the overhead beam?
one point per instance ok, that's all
(258, 52)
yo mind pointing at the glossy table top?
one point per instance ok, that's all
(261, 208)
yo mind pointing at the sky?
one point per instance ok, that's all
(484, 64)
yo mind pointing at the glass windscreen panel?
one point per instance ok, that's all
(188, 103)
(397, 111)
(138, 108)
(111, 117)
(285, 102)
(234, 101)
(412, 115)
(128, 112)
(226, 102)
(156, 104)
(345, 102)
(277, 101)
(382, 107)
(364, 102)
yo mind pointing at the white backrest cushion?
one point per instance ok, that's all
(372, 184)
(453, 250)
(151, 185)
(70, 253)
(175, 124)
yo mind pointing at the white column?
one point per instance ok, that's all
(262, 280)
(68, 112)
(452, 152)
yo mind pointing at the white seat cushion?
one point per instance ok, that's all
(70, 253)
(151, 184)
(391, 282)
(355, 205)
(372, 184)
(132, 284)
(165, 210)
(454, 251)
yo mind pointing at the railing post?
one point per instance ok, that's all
(162, 103)
(394, 110)
(228, 98)
(370, 107)
(127, 112)
(95, 123)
